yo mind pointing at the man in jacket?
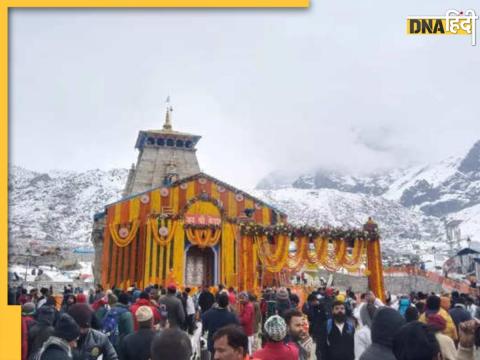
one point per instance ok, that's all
(59, 346)
(136, 346)
(335, 341)
(216, 318)
(386, 324)
(92, 343)
(176, 314)
(144, 300)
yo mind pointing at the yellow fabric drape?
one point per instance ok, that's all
(228, 244)
(147, 275)
(178, 253)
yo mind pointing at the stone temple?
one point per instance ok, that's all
(175, 223)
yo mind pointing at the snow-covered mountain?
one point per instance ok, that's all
(409, 204)
(57, 208)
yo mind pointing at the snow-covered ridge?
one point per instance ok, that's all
(57, 208)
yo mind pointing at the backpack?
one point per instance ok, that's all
(110, 324)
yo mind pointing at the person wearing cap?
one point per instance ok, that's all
(176, 314)
(144, 300)
(64, 338)
(336, 338)
(247, 317)
(92, 343)
(275, 347)
(28, 311)
(136, 346)
(283, 302)
(216, 318)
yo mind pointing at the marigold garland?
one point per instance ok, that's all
(153, 224)
(117, 239)
(203, 237)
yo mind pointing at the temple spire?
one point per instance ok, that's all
(168, 116)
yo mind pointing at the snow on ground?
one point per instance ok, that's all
(55, 274)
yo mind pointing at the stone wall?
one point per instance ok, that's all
(394, 284)
(152, 166)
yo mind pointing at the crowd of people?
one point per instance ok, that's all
(161, 323)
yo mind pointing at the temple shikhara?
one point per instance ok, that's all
(178, 225)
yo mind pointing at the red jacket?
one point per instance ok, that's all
(27, 321)
(277, 350)
(247, 317)
(144, 302)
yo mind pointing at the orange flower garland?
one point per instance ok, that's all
(162, 240)
(122, 241)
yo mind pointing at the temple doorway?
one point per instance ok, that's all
(200, 266)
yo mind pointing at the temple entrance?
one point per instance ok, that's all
(200, 266)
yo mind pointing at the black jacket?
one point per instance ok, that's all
(94, 344)
(214, 319)
(336, 345)
(136, 346)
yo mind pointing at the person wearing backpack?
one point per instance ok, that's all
(136, 346)
(336, 338)
(92, 344)
(118, 321)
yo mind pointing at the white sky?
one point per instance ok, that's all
(337, 85)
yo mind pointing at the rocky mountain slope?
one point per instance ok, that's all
(412, 206)
(57, 208)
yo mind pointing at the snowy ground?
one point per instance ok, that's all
(55, 274)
